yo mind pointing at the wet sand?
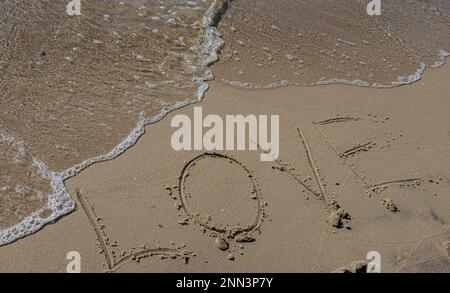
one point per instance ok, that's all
(377, 158)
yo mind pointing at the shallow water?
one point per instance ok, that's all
(23, 190)
(279, 42)
(74, 87)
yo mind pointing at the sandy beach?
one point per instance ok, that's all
(121, 148)
(381, 156)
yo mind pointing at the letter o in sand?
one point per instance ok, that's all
(205, 203)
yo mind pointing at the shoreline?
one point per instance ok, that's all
(60, 196)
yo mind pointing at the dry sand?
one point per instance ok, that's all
(382, 160)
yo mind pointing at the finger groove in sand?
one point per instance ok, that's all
(336, 120)
(344, 162)
(112, 263)
(283, 167)
(359, 148)
(196, 218)
(387, 183)
(312, 164)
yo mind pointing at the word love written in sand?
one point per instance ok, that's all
(236, 128)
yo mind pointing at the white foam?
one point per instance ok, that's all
(59, 201)
(404, 80)
(442, 56)
(19, 146)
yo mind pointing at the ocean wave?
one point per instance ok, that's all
(402, 80)
(59, 201)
